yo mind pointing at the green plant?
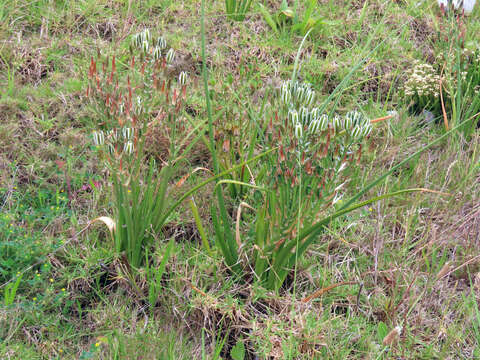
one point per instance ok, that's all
(154, 274)
(302, 179)
(237, 9)
(128, 107)
(22, 220)
(450, 87)
(10, 291)
(287, 19)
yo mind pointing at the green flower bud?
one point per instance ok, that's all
(293, 116)
(182, 78)
(170, 56)
(309, 97)
(98, 138)
(111, 149)
(303, 115)
(127, 133)
(298, 130)
(366, 129)
(146, 35)
(157, 53)
(161, 43)
(323, 122)
(128, 148)
(285, 94)
(145, 47)
(356, 132)
(338, 123)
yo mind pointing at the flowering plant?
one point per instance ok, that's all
(127, 104)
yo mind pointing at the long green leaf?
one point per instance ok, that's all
(403, 162)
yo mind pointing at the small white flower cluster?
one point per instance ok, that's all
(144, 42)
(423, 80)
(115, 139)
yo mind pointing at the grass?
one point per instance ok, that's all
(409, 260)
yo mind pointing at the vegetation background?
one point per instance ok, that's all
(396, 279)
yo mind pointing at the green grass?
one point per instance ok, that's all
(76, 299)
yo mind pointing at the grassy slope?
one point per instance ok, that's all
(395, 249)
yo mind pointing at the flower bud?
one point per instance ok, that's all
(157, 53)
(136, 40)
(314, 126)
(323, 122)
(309, 97)
(293, 116)
(348, 122)
(161, 43)
(146, 35)
(127, 133)
(170, 56)
(128, 148)
(182, 78)
(356, 132)
(98, 138)
(285, 94)
(303, 114)
(145, 47)
(299, 93)
(298, 130)
(338, 123)
(366, 129)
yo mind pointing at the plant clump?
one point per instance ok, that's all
(127, 104)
